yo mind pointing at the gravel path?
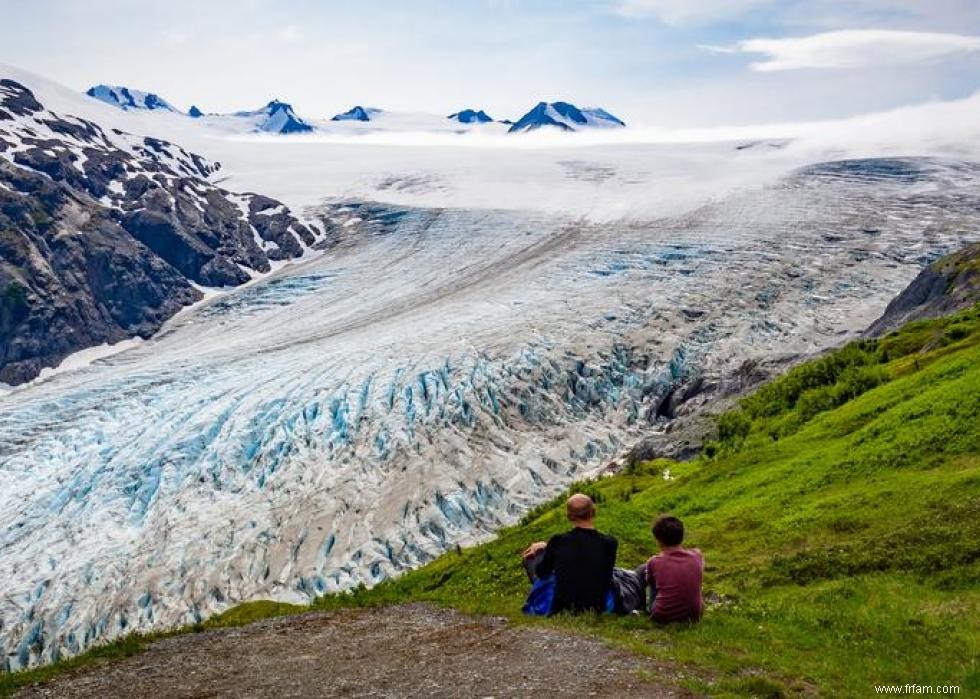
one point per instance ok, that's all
(410, 650)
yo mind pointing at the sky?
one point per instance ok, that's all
(670, 63)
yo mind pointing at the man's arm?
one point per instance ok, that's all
(547, 565)
(613, 547)
(533, 549)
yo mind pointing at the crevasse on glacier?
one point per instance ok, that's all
(428, 380)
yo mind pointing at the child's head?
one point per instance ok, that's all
(668, 531)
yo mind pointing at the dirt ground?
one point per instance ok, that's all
(404, 651)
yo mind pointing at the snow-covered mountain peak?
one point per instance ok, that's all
(277, 105)
(565, 116)
(282, 119)
(276, 117)
(598, 115)
(357, 113)
(126, 98)
(471, 116)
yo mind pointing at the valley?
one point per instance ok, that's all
(422, 383)
(321, 324)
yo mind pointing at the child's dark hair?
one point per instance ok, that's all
(668, 530)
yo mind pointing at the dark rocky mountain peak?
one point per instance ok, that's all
(471, 116)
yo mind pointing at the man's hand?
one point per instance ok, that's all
(534, 549)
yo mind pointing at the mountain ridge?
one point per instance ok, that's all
(471, 116)
(279, 117)
(126, 98)
(356, 113)
(275, 116)
(564, 116)
(120, 226)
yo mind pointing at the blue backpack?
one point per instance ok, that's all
(539, 599)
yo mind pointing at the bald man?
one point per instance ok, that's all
(582, 560)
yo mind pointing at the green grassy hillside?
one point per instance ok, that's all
(839, 513)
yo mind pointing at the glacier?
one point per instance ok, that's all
(417, 386)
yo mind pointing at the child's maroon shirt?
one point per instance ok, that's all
(676, 575)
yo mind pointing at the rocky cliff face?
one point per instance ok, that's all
(949, 284)
(104, 234)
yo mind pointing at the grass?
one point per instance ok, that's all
(839, 514)
(962, 267)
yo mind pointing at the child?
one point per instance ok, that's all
(674, 575)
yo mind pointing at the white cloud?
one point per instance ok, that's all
(853, 48)
(934, 15)
(681, 12)
(289, 33)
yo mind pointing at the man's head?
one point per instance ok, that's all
(580, 510)
(668, 531)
